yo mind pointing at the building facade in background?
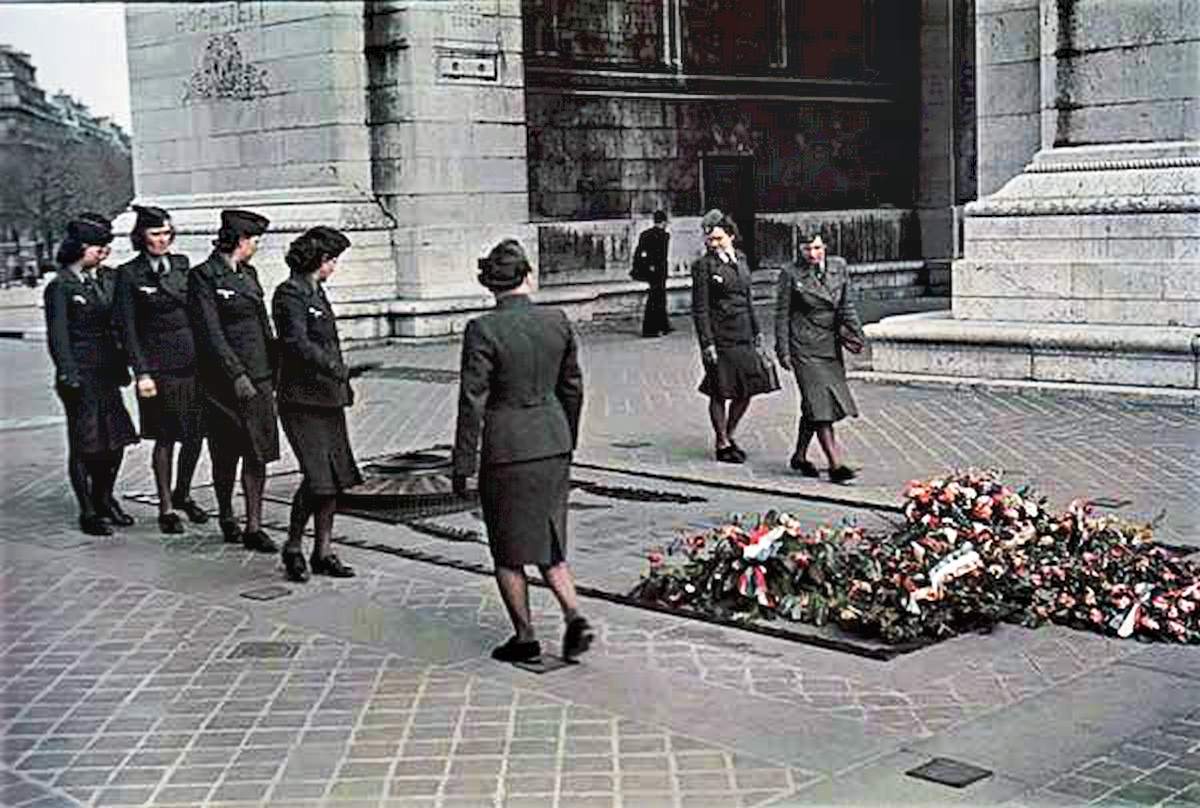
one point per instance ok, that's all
(56, 159)
(429, 130)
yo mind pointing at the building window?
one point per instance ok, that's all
(604, 32)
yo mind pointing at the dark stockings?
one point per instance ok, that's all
(189, 458)
(103, 469)
(514, 591)
(224, 473)
(322, 509)
(824, 432)
(77, 471)
(160, 461)
(254, 478)
(724, 423)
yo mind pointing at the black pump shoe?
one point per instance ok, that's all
(577, 638)
(113, 512)
(195, 513)
(230, 531)
(258, 540)
(330, 565)
(294, 565)
(842, 474)
(803, 466)
(170, 523)
(517, 651)
(94, 526)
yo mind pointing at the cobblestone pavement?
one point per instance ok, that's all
(116, 684)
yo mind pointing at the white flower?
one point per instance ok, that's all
(1031, 509)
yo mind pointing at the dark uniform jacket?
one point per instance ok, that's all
(151, 313)
(521, 383)
(722, 306)
(79, 330)
(652, 250)
(230, 323)
(312, 372)
(808, 309)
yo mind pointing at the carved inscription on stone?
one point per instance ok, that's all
(224, 73)
(211, 18)
(472, 21)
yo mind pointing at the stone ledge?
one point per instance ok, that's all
(1150, 395)
(1155, 357)
(940, 327)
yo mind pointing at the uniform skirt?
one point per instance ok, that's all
(824, 394)
(97, 421)
(738, 373)
(319, 438)
(525, 510)
(174, 412)
(251, 427)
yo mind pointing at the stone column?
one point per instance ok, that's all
(448, 139)
(1085, 267)
(259, 105)
(1008, 63)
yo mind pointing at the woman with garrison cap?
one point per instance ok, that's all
(235, 368)
(151, 313)
(314, 390)
(522, 387)
(723, 312)
(89, 372)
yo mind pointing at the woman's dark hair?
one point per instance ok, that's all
(308, 251)
(227, 240)
(69, 251)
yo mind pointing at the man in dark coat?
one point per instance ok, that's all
(151, 314)
(236, 366)
(521, 387)
(650, 264)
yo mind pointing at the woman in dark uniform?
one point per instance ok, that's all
(235, 367)
(522, 387)
(814, 320)
(723, 311)
(152, 316)
(314, 389)
(89, 372)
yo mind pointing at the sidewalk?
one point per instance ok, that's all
(124, 679)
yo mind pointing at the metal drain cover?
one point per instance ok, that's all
(949, 772)
(264, 649)
(267, 593)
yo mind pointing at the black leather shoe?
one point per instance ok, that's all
(94, 526)
(330, 565)
(803, 466)
(195, 513)
(517, 651)
(842, 474)
(294, 565)
(577, 638)
(260, 541)
(729, 455)
(738, 449)
(170, 523)
(114, 513)
(230, 531)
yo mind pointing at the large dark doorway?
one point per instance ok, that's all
(727, 182)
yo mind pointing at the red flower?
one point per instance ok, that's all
(655, 558)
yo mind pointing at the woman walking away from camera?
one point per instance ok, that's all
(152, 317)
(521, 386)
(236, 368)
(89, 372)
(723, 312)
(814, 320)
(314, 390)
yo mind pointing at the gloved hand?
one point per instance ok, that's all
(709, 355)
(784, 360)
(243, 388)
(146, 388)
(69, 390)
(459, 483)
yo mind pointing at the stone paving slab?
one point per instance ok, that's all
(122, 694)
